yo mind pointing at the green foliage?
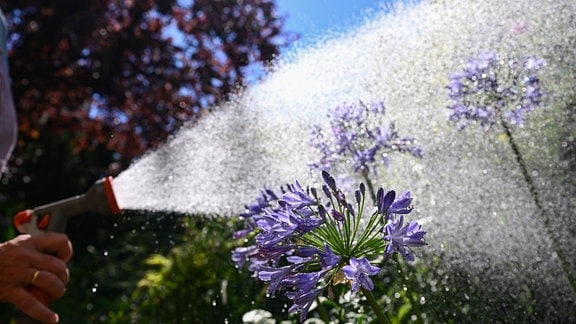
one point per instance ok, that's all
(109, 260)
(195, 281)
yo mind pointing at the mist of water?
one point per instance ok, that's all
(468, 189)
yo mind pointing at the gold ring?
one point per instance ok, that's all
(35, 276)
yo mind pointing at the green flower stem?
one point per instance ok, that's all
(522, 164)
(399, 266)
(536, 197)
(322, 311)
(370, 186)
(382, 318)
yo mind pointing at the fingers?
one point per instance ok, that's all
(19, 260)
(28, 304)
(48, 263)
(49, 283)
(53, 244)
(56, 244)
(35, 263)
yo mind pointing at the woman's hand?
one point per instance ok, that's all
(34, 261)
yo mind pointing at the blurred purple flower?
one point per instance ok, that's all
(356, 134)
(492, 86)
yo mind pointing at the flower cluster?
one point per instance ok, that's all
(303, 245)
(354, 138)
(490, 83)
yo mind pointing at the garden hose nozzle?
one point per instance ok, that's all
(53, 217)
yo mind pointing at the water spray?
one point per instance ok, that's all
(53, 217)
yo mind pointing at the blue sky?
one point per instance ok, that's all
(314, 18)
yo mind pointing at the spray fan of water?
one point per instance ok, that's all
(479, 213)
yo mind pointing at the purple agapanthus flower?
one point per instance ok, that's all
(327, 258)
(304, 281)
(255, 211)
(301, 243)
(298, 197)
(303, 254)
(359, 271)
(243, 254)
(388, 204)
(276, 228)
(402, 237)
(356, 134)
(274, 276)
(303, 300)
(492, 86)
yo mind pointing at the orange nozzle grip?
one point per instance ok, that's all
(23, 217)
(110, 197)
